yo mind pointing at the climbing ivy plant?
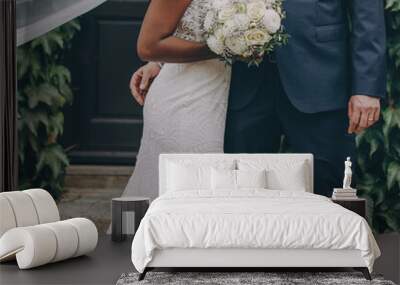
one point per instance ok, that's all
(379, 147)
(44, 88)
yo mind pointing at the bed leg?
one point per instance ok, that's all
(143, 274)
(365, 272)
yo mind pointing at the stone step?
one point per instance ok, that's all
(91, 203)
(89, 190)
(100, 177)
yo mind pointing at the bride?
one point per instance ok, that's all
(185, 107)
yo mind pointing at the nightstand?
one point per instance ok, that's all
(357, 205)
(127, 205)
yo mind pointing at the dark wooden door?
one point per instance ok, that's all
(104, 125)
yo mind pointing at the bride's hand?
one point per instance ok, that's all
(141, 80)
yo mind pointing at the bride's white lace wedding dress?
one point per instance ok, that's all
(185, 108)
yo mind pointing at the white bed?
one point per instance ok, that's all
(249, 227)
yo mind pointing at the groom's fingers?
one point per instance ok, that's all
(365, 115)
(350, 109)
(377, 113)
(354, 120)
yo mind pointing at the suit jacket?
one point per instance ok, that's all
(337, 48)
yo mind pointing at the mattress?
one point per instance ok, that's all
(250, 219)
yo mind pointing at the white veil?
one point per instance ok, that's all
(37, 17)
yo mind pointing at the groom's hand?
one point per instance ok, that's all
(142, 79)
(364, 111)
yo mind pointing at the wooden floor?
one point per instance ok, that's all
(103, 266)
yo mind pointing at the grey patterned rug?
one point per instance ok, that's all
(244, 278)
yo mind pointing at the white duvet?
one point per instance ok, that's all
(250, 219)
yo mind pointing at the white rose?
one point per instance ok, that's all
(237, 45)
(240, 7)
(226, 13)
(229, 28)
(219, 4)
(256, 10)
(216, 42)
(242, 21)
(272, 21)
(220, 35)
(209, 21)
(257, 37)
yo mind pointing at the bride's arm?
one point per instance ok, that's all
(156, 41)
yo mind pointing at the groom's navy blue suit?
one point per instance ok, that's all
(336, 49)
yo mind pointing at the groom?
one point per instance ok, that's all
(320, 89)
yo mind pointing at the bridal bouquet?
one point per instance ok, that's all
(244, 30)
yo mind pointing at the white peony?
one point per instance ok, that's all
(256, 10)
(226, 13)
(272, 21)
(242, 21)
(209, 21)
(257, 37)
(237, 45)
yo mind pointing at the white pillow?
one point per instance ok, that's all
(237, 179)
(223, 179)
(251, 178)
(281, 174)
(188, 174)
(181, 177)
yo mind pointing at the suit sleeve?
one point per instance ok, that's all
(368, 48)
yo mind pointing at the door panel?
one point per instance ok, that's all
(104, 125)
(114, 70)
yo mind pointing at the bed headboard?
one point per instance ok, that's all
(164, 159)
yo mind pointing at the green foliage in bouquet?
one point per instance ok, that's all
(379, 147)
(43, 90)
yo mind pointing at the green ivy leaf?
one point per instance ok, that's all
(43, 43)
(33, 121)
(54, 158)
(60, 73)
(44, 93)
(22, 63)
(393, 174)
(56, 124)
